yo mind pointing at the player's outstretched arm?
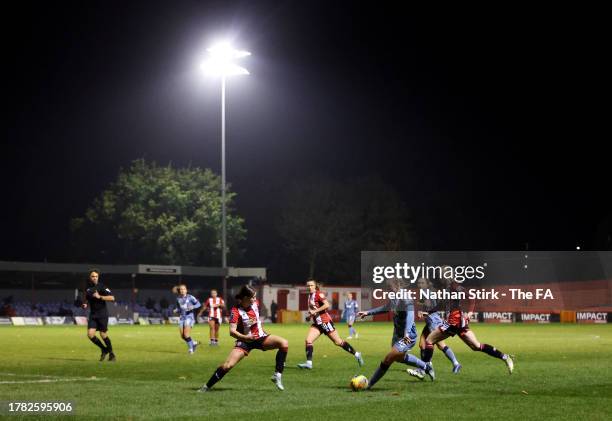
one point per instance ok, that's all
(374, 311)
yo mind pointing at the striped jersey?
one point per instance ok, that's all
(315, 300)
(248, 321)
(457, 304)
(211, 303)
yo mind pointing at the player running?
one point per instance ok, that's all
(351, 307)
(247, 328)
(215, 306)
(322, 324)
(457, 323)
(404, 335)
(429, 309)
(185, 305)
(96, 296)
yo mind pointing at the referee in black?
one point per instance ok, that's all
(96, 297)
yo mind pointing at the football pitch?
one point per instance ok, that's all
(562, 371)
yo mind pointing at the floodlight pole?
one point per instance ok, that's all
(223, 209)
(220, 64)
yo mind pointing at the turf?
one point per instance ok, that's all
(562, 372)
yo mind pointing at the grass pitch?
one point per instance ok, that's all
(561, 372)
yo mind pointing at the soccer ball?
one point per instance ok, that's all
(358, 383)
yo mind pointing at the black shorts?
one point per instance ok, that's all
(247, 347)
(455, 324)
(454, 329)
(98, 323)
(325, 328)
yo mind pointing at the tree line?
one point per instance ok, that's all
(171, 215)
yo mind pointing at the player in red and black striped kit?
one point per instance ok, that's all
(458, 314)
(322, 324)
(247, 328)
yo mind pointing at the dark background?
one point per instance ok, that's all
(489, 123)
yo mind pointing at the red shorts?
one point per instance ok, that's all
(455, 324)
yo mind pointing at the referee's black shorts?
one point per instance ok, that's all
(98, 323)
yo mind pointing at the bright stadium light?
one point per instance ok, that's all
(214, 68)
(224, 49)
(220, 63)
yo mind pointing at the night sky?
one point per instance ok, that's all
(489, 123)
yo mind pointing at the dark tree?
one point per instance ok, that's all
(159, 215)
(325, 224)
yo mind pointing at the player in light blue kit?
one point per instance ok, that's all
(429, 308)
(404, 335)
(351, 307)
(185, 305)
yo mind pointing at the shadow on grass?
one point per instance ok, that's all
(213, 390)
(376, 389)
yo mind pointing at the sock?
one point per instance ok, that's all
(281, 356)
(109, 346)
(309, 350)
(351, 331)
(347, 347)
(380, 371)
(218, 375)
(96, 341)
(414, 361)
(189, 342)
(427, 352)
(488, 349)
(450, 355)
(422, 353)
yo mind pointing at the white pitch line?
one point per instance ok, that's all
(46, 381)
(25, 375)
